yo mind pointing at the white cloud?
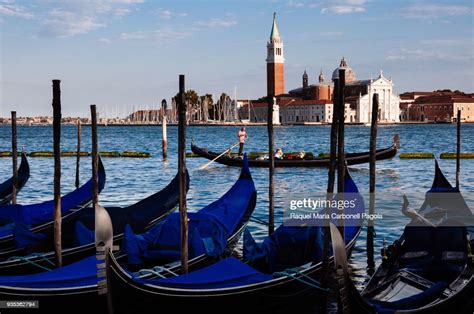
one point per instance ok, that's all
(164, 34)
(120, 12)
(105, 40)
(218, 22)
(296, 4)
(340, 6)
(69, 18)
(427, 55)
(9, 8)
(430, 11)
(167, 14)
(331, 34)
(63, 23)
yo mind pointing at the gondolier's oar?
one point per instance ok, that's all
(227, 150)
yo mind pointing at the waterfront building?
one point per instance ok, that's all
(438, 106)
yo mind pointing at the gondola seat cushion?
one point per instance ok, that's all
(206, 236)
(412, 302)
(229, 272)
(79, 274)
(286, 247)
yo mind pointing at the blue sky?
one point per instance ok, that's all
(119, 53)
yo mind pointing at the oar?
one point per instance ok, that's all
(206, 165)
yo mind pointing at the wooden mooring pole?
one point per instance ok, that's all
(78, 157)
(372, 159)
(341, 163)
(271, 166)
(458, 148)
(95, 160)
(57, 170)
(182, 174)
(14, 158)
(164, 141)
(330, 193)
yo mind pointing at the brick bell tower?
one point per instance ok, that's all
(275, 62)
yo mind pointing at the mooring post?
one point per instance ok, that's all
(57, 170)
(271, 166)
(330, 191)
(95, 159)
(458, 149)
(182, 174)
(372, 159)
(78, 156)
(341, 162)
(14, 158)
(164, 141)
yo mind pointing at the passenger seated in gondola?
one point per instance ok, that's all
(279, 154)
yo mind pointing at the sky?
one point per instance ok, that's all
(127, 54)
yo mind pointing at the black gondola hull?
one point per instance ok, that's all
(281, 295)
(351, 159)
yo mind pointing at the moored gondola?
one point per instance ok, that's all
(6, 188)
(75, 285)
(78, 239)
(350, 158)
(280, 277)
(26, 223)
(430, 269)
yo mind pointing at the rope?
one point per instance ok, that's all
(292, 273)
(43, 257)
(26, 259)
(157, 271)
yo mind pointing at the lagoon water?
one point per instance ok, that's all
(131, 179)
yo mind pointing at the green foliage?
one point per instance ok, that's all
(453, 156)
(418, 155)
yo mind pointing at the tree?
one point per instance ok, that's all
(207, 104)
(192, 99)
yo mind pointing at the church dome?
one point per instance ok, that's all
(350, 74)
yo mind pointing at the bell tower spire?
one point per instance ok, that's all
(275, 62)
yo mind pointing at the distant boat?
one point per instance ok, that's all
(351, 158)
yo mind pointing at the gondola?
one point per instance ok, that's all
(27, 223)
(350, 158)
(78, 234)
(277, 276)
(430, 269)
(75, 286)
(6, 187)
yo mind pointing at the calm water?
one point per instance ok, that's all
(129, 180)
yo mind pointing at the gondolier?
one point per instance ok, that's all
(242, 136)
